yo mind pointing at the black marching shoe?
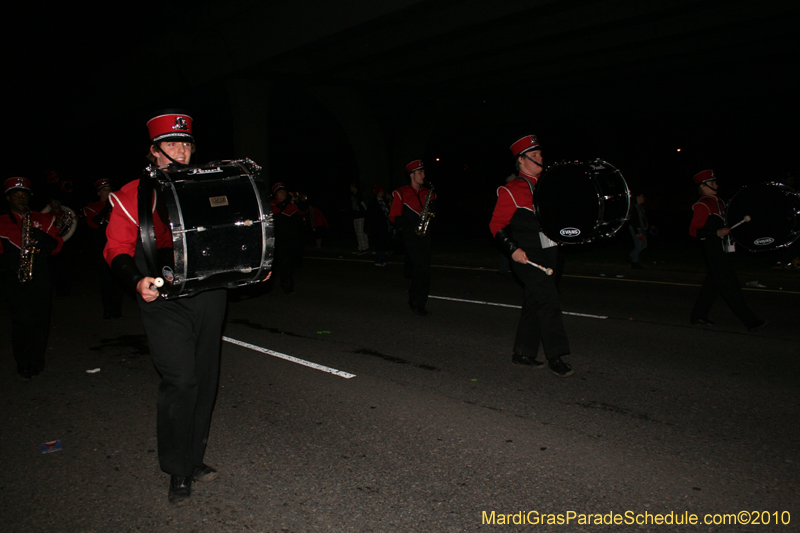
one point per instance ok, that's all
(419, 311)
(560, 368)
(637, 266)
(204, 473)
(758, 325)
(526, 360)
(180, 489)
(702, 322)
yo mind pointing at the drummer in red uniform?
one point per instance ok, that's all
(28, 297)
(708, 225)
(184, 334)
(407, 204)
(518, 234)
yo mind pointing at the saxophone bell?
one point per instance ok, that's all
(427, 214)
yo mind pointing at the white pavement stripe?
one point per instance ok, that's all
(601, 317)
(303, 362)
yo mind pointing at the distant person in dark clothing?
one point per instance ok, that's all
(379, 227)
(638, 228)
(319, 225)
(708, 225)
(97, 216)
(288, 210)
(359, 213)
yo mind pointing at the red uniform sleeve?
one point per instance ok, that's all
(52, 230)
(504, 209)
(699, 217)
(397, 206)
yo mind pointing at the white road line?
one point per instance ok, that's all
(303, 362)
(511, 306)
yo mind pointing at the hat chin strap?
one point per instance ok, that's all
(529, 158)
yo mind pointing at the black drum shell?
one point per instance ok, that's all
(221, 223)
(577, 202)
(774, 210)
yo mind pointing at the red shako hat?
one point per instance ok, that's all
(277, 187)
(170, 125)
(17, 183)
(525, 144)
(704, 176)
(376, 189)
(414, 165)
(102, 182)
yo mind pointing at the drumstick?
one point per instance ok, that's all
(548, 271)
(745, 219)
(157, 283)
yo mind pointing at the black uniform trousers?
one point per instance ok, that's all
(185, 335)
(541, 322)
(418, 259)
(721, 280)
(29, 304)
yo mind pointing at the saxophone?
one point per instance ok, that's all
(27, 250)
(426, 214)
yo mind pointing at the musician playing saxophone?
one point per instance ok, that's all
(25, 276)
(411, 219)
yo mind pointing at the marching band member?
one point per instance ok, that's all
(96, 216)
(289, 211)
(408, 203)
(184, 334)
(25, 277)
(708, 225)
(518, 234)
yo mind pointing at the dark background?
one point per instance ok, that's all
(713, 79)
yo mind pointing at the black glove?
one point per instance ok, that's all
(44, 242)
(125, 268)
(505, 242)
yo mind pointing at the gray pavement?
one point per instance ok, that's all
(436, 428)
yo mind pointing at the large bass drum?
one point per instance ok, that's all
(774, 211)
(577, 202)
(221, 225)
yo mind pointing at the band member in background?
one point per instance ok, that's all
(184, 334)
(358, 210)
(708, 225)
(96, 216)
(289, 210)
(518, 234)
(408, 203)
(25, 276)
(638, 228)
(379, 227)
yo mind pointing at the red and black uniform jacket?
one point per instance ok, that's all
(514, 224)
(123, 234)
(44, 231)
(708, 216)
(97, 214)
(407, 204)
(289, 222)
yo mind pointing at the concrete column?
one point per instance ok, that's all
(249, 107)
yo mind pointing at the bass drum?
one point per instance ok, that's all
(577, 202)
(221, 225)
(774, 211)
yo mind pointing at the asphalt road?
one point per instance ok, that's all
(437, 429)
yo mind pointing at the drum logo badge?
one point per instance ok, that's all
(218, 201)
(569, 232)
(763, 241)
(167, 274)
(180, 124)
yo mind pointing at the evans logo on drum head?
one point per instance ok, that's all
(167, 274)
(763, 241)
(218, 201)
(569, 232)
